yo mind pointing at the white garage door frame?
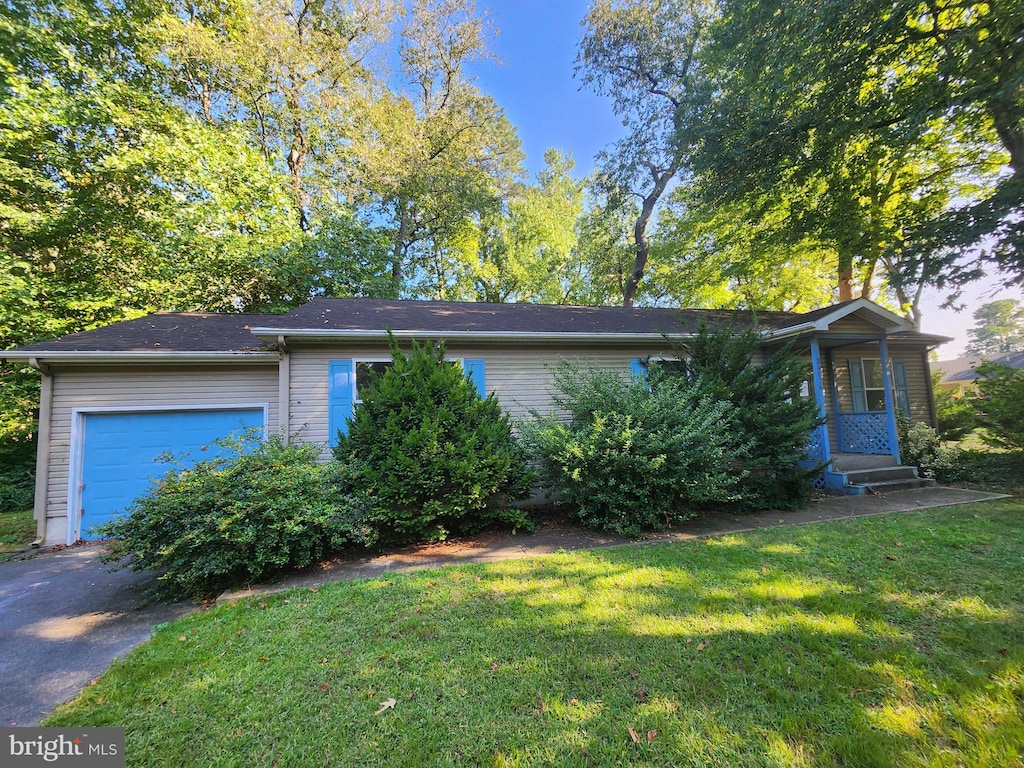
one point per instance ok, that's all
(78, 416)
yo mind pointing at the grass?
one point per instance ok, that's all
(17, 531)
(888, 641)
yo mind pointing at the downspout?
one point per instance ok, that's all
(284, 383)
(42, 449)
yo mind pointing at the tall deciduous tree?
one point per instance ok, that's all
(876, 120)
(438, 152)
(526, 251)
(998, 328)
(295, 74)
(644, 54)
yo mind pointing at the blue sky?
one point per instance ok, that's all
(537, 41)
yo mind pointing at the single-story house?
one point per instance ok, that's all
(113, 399)
(960, 375)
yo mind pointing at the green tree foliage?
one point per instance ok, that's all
(876, 121)
(644, 54)
(998, 328)
(1000, 405)
(955, 416)
(440, 155)
(433, 457)
(724, 258)
(261, 508)
(629, 457)
(526, 252)
(769, 410)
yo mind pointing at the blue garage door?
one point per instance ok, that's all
(120, 449)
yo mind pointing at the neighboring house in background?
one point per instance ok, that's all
(115, 398)
(960, 375)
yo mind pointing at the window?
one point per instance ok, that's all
(868, 386)
(365, 371)
(640, 366)
(347, 377)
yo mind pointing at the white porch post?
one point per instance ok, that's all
(890, 400)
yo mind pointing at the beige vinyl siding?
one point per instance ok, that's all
(917, 376)
(854, 324)
(130, 388)
(519, 376)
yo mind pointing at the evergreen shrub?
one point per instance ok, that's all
(1000, 405)
(432, 456)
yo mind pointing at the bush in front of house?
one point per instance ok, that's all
(955, 416)
(920, 447)
(433, 457)
(628, 457)
(773, 407)
(260, 508)
(1000, 405)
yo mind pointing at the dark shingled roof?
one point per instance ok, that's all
(166, 332)
(963, 368)
(438, 317)
(208, 332)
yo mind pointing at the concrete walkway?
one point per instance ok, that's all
(64, 618)
(554, 538)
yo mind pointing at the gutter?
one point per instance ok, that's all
(522, 337)
(138, 356)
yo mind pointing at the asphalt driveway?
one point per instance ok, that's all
(63, 620)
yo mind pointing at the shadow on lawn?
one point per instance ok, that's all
(811, 648)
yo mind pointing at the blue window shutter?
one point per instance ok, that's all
(899, 375)
(474, 370)
(339, 398)
(638, 368)
(860, 397)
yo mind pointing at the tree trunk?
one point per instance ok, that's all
(643, 244)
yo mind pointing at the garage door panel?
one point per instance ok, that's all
(120, 452)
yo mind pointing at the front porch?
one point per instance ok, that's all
(867, 364)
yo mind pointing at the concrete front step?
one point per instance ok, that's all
(880, 475)
(852, 462)
(898, 485)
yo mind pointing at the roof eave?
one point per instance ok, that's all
(141, 356)
(514, 337)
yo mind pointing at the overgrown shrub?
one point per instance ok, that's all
(956, 416)
(768, 411)
(1000, 470)
(920, 447)
(433, 456)
(1000, 405)
(631, 457)
(258, 509)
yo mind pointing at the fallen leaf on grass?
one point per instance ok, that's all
(389, 704)
(182, 639)
(701, 645)
(651, 736)
(263, 658)
(633, 736)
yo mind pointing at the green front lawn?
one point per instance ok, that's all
(890, 641)
(17, 531)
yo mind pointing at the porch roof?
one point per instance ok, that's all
(874, 323)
